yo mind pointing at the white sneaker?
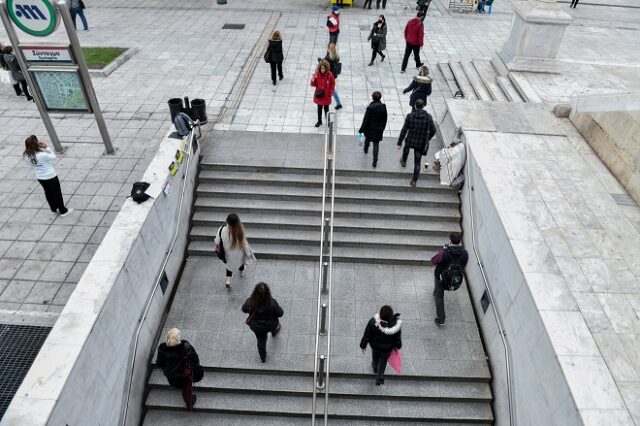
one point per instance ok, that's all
(68, 211)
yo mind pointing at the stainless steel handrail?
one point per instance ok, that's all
(142, 318)
(329, 162)
(503, 332)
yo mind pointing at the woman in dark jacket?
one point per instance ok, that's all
(378, 37)
(12, 63)
(274, 56)
(174, 356)
(264, 312)
(420, 87)
(383, 334)
(373, 125)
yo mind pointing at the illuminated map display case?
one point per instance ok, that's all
(61, 89)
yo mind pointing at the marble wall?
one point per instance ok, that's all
(81, 374)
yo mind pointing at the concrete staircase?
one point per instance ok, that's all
(378, 217)
(275, 397)
(479, 80)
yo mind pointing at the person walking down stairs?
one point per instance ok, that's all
(373, 125)
(264, 313)
(180, 364)
(418, 129)
(237, 252)
(450, 262)
(384, 335)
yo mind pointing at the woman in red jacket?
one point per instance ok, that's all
(325, 84)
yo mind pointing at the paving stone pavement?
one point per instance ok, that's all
(182, 52)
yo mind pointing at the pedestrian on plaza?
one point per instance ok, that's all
(367, 3)
(420, 87)
(418, 128)
(423, 6)
(383, 334)
(76, 7)
(574, 3)
(384, 4)
(180, 364)
(237, 251)
(336, 68)
(11, 62)
(38, 157)
(274, 55)
(414, 39)
(378, 37)
(450, 262)
(373, 125)
(324, 84)
(264, 312)
(4, 67)
(333, 23)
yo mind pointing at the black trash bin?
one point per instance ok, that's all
(199, 110)
(175, 106)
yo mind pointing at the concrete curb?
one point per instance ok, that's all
(115, 64)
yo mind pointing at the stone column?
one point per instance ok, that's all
(537, 30)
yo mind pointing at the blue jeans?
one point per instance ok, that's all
(336, 97)
(79, 11)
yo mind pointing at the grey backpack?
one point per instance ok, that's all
(183, 124)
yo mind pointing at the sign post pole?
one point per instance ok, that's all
(84, 75)
(13, 37)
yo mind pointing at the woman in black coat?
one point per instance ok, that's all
(420, 87)
(274, 55)
(173, 357)
(373, 125)
(383, 334)
(264, 312)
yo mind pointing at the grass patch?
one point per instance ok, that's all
(99, 57)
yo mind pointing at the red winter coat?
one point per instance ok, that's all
(414, 32)
(336, 27)
(324, 82)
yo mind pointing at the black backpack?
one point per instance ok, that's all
(452, 276)
(184, 124)
(137, 192)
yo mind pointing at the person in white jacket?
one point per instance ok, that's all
(237, 251)
(38, 156)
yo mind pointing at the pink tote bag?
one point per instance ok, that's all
(395, 360)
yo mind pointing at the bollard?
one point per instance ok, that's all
(325, 277)
(323, 320)
(320, 383)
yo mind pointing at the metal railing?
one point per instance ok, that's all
(323, 319)
(496, 314)
(143, 317)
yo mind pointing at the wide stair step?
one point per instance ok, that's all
(476, 81)
(445, 69)
(353, 397)
(463, 81)
(489, 77)
(507, 88)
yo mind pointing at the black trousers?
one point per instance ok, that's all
(21, 87)
(261, 337)
(384, 4)
(417, 158)
(53, 193)
(273, 70)
(438, 295)
(333, 37)
(326, 110)
(379, 362)
(375, 51)
(229, 273)
(366, 2)
(416, 55)
(376, 147)
(574, 3)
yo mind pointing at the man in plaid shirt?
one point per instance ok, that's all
(418, 128)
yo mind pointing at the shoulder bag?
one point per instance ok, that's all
(219, 250)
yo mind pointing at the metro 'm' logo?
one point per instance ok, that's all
(29, 12)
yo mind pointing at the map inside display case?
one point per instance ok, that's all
(61, 90)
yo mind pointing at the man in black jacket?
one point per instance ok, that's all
(373, 125)
(418, 128)
(450, 253)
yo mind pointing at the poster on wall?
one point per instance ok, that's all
(61, 89)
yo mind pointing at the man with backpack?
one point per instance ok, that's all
(450, 262)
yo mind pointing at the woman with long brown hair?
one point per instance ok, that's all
(264, 312)
(236, 247)
(324, 84)
(38, 157)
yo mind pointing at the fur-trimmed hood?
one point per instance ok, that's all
(389, 331)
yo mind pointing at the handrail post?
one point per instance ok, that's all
(320, 383)
(323, 320)
(325, 277)
(327, 221)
